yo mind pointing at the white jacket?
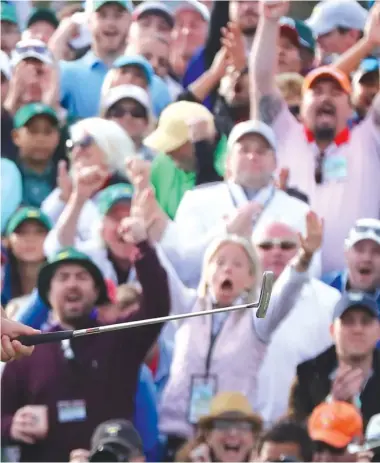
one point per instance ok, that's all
(200, 218)
(302, 335)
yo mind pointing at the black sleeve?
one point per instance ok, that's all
(187, 95)
(219, 18)
(206, 173)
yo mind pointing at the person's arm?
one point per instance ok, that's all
(350, 60)
(300, 403)
(290, 283)
(265, 99)
(219, 19)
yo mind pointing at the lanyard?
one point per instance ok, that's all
(213, 338)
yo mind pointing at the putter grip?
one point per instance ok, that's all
(44, 338)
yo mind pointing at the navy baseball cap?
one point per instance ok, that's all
(355, 299)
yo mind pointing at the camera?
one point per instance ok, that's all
(115, 440)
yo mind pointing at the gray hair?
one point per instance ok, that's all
(115, 143)
(246, 245)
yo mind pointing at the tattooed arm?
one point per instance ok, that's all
(265, 99)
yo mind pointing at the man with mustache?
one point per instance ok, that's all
(336, 166)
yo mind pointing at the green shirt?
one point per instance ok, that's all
(35, 186)
(171, 183)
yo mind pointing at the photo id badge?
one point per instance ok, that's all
(335, 168)
(202, 391)
(71, 410)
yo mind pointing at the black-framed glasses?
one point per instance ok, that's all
(284, 245)
(367, 229)
(119, 111)
(318, 174)
(225, 425)
(83, 142)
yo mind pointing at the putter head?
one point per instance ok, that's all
(265, 294)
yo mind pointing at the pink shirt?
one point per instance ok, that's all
(351, 186)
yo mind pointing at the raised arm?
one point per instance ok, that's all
(290, 283)
(350, 60)
(265, 99)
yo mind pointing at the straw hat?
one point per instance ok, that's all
(231, 406)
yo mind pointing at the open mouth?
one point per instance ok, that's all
(326, 111)
(365, 271)
(73, 297)
(231, 448)
(226, 285)
(110, 34)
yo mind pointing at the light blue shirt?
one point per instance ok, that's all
(11, 190)
(81, 84)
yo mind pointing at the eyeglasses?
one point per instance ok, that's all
(120, 111)
(366, 229)
(225, 425)
(83, 143)
(284, 245)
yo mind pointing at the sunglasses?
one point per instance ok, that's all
(38, 49)
(225, 425)
(83, 142)
(284, 245)
(366, 229)
(120, 111)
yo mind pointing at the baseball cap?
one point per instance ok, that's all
(191, 5)
(172, 131)
(5, 65)
(43, 14)
(335, 423)
(112, 195)
(252, 127)
(364, 229)
(65, 256)
(31, 48)
(120, 92)
(138, 61)
(157, 8)
(27, 112)
(94, 5)
(118, 431)
(299, 31)
(8, 13)
(372, 436)
(328, 15)
(355, 299)
(24, 214)
(367, 66)
(327, 71)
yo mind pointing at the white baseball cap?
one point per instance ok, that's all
(120, 92)
(31, 48)
(5, 64)
(372, 436)
(181, 5)
(330, 14)
(364, 229)
(252, 127)
(153, 7)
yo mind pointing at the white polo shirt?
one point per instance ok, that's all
(351, 185)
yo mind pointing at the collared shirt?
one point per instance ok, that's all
(36, 187)
(350, 189)
(82, 80)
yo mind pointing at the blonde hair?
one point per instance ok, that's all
(247, 246)
(115, 143)
(290, 84)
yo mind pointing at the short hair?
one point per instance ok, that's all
(290, 84)
(127, 294)
(288, 430)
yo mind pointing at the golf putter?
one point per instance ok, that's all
(261, 306)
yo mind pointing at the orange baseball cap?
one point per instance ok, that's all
(335, 423)
(330, 72)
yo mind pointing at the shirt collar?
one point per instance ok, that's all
(91, 60)
(30, 172)
(341, 138)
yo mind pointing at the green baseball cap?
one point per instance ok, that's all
(24, 214)
(43, 14)
(8, 13)
(112, 195)
(70, 255)
(27, 112)
(126, 4)
(300, 32)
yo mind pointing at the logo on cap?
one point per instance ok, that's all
(113, 430)
(63, 255)
(32, 214)
(356, 297)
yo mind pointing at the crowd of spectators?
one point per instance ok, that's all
(156, 158)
